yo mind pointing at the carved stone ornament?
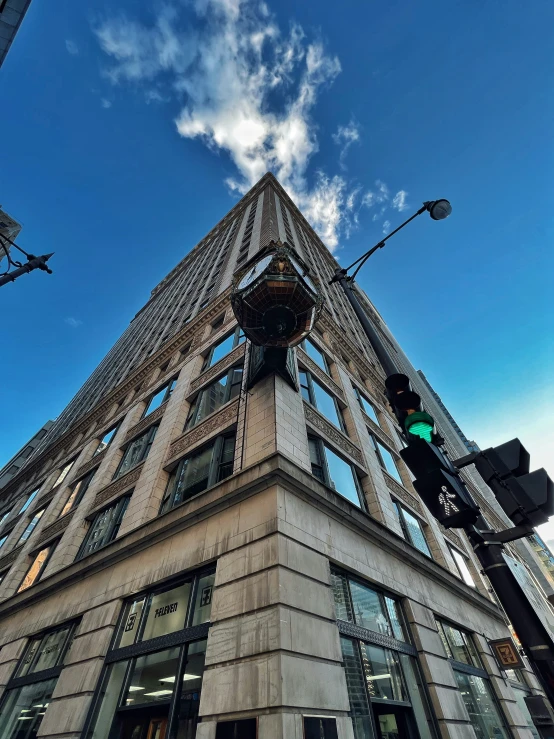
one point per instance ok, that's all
(50, 532)
(235, 356)
(10, 558)
(118, 486)
(91, 464)
(214, 424)
(453, 537)
(146, 422)
(312, 367)
(330, 432)
(404, 495)
(380, 434)
(191, 333)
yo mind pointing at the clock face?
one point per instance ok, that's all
(302, 272)
(254, 272)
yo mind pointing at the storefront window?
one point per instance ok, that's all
(130, 622)
(520, 694)
(24, 708)
(152, 677)
(167, 612)
(483, 713)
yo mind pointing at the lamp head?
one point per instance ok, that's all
(438, 209)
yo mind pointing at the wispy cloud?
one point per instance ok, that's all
(105, 103)
(399, 200)
(386, 227)
(345, 137)
(73, 322)
(248, 90)
(71, 47)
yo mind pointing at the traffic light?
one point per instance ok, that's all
(407, 408)
(526, 497)
(439, 485)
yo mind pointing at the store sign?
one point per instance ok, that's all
(506, 654)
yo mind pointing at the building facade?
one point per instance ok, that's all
(13, 465)
(12, 13)
(189, 555)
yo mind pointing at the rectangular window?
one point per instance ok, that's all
(316, 355)
(46, 651)
(3, 539)
(104, 527)
(77, 492)
(38, 566)
(365, 405)
(106, 440)
(411, 528)
(4, 516)
(64, 472)
(23, 709)
(199, 471)
(245, 728)
(29, 500)
(458, 644)
(481, 706)
(461, 565)
(160, 396)
(212, 397)
(223, 347)
(386, 460)
(30, 526)
(136, 452)
(333, 471)
(321, 399)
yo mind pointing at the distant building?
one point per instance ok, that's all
(12, 467)
(12, 13)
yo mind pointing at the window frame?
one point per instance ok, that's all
(194, 408)
(51, 547)
(326, 368)
(113, 428)
(376, 445)
(453, 552)
(150, 433)
(64, 472)
(470, 667)
(360, 397)
(31, 526)
(168, 387)
(86, 479)
(218, 446)
(401, 510)
(29, 500)
(238, 339)
(4, 516)
(112, 527)
(323, 463)
(309, 387)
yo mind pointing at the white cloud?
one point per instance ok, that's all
(73, 322)
(105, 103)
(345, 137)
(247, 90)
(386, 227)
(71, 47)
(399, 200)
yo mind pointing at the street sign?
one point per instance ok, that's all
(506, 653)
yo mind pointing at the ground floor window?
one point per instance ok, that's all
(479, 701)
(24, 708)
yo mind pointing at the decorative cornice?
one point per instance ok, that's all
(50, 532)
(321, 424)
(382, 435)
(403, 494)
(190, 332)
(453, 537)
(214, 424)
(319, 373)
(91, 464)
(118, 486)
(10, 558)
(235, 356)
(146, 422)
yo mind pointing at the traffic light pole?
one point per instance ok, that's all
(534, 638)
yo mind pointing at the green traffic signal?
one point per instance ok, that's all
(420, 424)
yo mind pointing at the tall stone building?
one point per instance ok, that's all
(12, 13)
(188, 554)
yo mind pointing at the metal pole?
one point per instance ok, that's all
(33, 263)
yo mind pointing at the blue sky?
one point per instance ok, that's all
(134, 127)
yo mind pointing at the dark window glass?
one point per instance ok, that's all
(245, 728)
(316, 458)
(30, 526)
(200, 470)
(29, 500)
(105, 441)
(383, 673)
(458, 644)
(316, 727)
(160, 397)
(315, 354)
(3, 539)
(37, 567)
(483, 713)
(366, 406)
(153, 678)
(411, 528)
(212, 397)
(223, 347)
(46, 651)
(386, 459)
(104, 527)
(77, 493)
(136, 452)
(23, 709)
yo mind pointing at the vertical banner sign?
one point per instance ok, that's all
(534, 595)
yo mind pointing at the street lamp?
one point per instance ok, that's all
(33, 262)
(438, 210)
